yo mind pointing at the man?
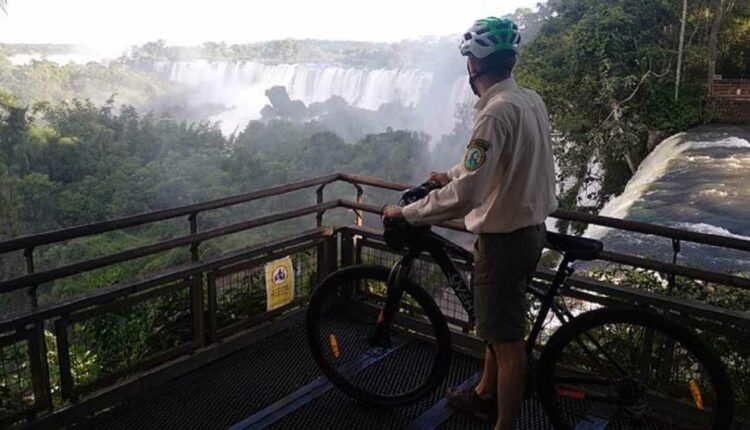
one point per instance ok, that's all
(505, 189)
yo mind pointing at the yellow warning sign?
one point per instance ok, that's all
(279, 283)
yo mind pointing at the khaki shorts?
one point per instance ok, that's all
(504, 264)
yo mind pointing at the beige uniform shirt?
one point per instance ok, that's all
(506, 180)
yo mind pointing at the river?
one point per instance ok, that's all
(697, 180)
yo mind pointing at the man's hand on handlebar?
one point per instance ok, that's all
(391, 214)
(440, 177)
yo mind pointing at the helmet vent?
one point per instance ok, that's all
(481, 42)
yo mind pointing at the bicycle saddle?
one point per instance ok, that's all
(576, 248)
(397, 235)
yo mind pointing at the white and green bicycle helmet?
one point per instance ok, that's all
(490, 35)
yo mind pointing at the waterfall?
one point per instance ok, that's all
(695, 181)
(241, 87)
(651, 169)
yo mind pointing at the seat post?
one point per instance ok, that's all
(563, 271)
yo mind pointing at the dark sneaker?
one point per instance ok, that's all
(468, 400)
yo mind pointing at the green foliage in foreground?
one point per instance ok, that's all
(735, 353)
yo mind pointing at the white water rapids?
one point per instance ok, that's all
(698, 181)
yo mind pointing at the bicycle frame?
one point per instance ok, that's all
(435, 245)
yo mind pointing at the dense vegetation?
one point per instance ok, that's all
(75, 163)
(608, 72)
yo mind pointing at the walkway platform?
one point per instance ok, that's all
(275, 384)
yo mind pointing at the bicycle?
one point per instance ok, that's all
(627, 366)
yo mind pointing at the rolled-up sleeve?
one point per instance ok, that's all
(473, 182)
(456, 170)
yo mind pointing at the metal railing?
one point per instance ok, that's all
(192, 308)
(730, 88)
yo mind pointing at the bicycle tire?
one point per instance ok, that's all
(369, 388)
(587, 322)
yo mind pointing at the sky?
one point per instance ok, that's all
(109, 23)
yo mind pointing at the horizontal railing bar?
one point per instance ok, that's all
(140, 366)
(250, 264)
(127, 301)
(131, 254)
(676, 269)
(709, 322)
(621, 224)
(35, 240)
(261, 317)
(704, 275)
(380, 245)
(655, 230)
(373, 182)
(15, 337)
(373, 209)
(631, 294)
(106, 294)
(79, 231)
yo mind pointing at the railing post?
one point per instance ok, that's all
(67, 389)
(360, 199)
(322, 250)
(193, 219)
(196, 290)
(319, 200)
(28, 255)
(327, 257)
(39, 367)
(212, 328)
(196, 309)
(37, 347)
(671, 278)
(347, 248)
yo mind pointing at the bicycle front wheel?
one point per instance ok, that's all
(632, 369)
(388, 366)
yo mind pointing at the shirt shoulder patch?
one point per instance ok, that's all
(476, 154)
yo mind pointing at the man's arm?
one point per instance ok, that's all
(455, 171)
(474, 182)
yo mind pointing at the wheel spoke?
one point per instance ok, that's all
(649, 370)
(377, 347)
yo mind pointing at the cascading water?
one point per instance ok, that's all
(696, 181)
(241, 87)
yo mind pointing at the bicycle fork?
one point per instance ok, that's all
(394, 293)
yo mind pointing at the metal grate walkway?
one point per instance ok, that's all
(277, 378)
(274, 384)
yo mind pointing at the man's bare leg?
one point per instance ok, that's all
(511, 375)
(487, 386)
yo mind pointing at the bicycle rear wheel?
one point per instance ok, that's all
(388, 366)
(632, 369)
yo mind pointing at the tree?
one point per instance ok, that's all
(680, 50)
(713, 40)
